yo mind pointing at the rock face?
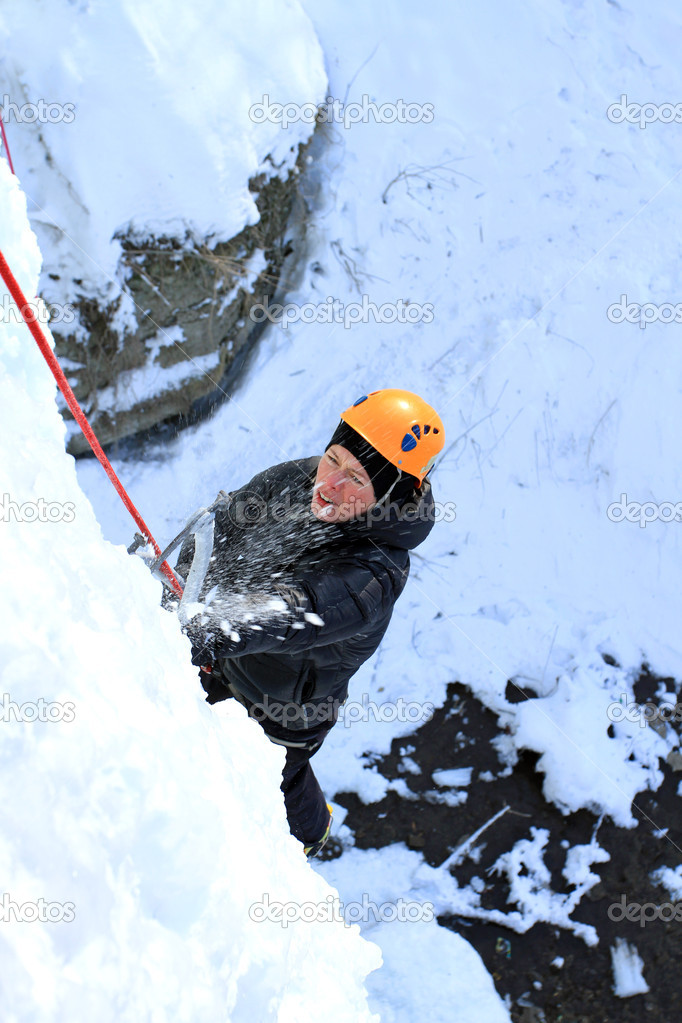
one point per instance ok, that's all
(193, 330)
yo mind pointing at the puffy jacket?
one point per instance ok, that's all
(294, 605)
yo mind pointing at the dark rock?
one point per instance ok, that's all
(191, 286)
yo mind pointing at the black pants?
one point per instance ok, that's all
(304, 801)
(305, 804)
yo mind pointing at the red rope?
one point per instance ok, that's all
(63, 384)
(4, 142)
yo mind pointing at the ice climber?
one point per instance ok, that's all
(307, 561)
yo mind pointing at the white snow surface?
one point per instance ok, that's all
(523, 214)
(628, 979)
(429, 972)
(140, 828)
(459, 776)
(670, 879)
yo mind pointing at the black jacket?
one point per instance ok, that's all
(295, 606)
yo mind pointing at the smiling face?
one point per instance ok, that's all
(342, 488)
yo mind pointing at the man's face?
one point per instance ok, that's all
(342, 489)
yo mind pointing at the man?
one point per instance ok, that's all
(308, 560)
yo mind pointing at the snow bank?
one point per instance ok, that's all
(429, 972)
(140, 827)
(571, 725)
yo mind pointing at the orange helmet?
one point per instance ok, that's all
(401, 426)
